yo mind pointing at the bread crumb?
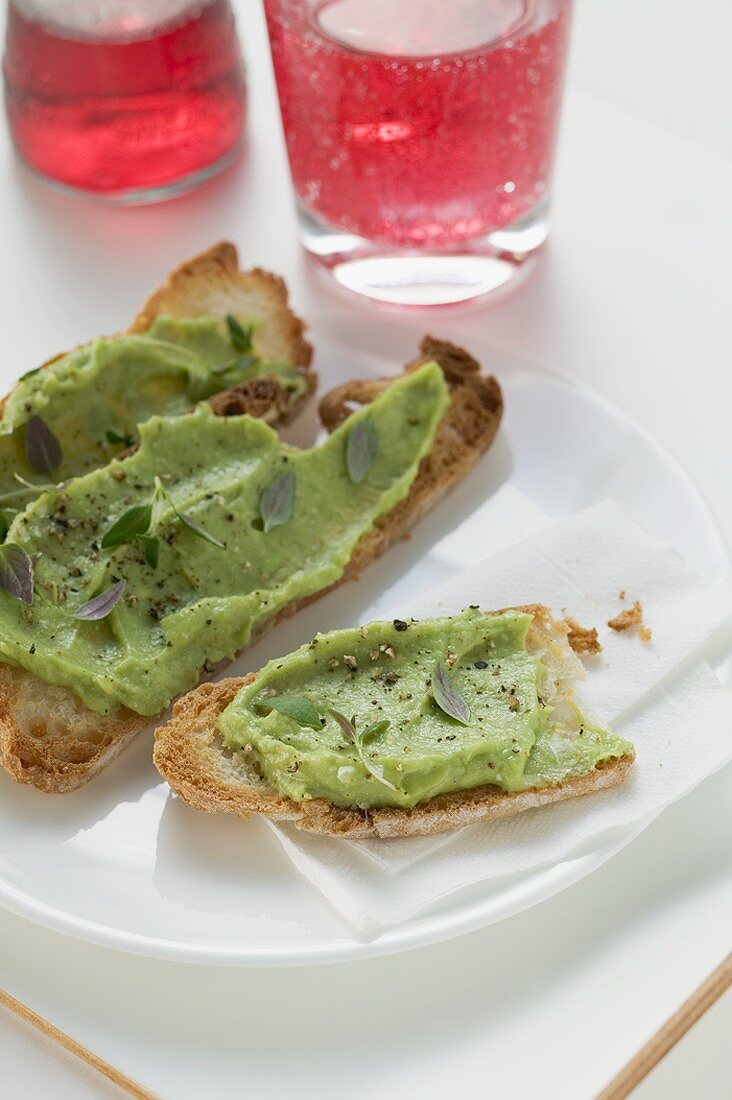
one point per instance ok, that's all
(582, 639)
(621, 594)
(628, 619)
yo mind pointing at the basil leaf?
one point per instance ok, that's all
(101, 605)
(277, 501)
(240, 363)
(130, 525)
(16, 572)
(29, 373)
(447, 697)
(42, 448)
(374, 730)
(361, 449)
(348, 728)
(162, 493)
(241, 337)
(152, 551)
(297, 707)
(199, 531)
(115, 437)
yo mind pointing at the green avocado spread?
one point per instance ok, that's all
(279, 524)
(406, 748)
(94, 398)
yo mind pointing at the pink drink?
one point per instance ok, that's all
(420, 123)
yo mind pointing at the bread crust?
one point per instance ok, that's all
(33, 753)
(191, 756)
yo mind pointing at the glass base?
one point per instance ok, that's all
(143, 195)
(473, 270)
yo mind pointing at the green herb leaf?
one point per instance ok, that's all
(349, 729)
(241, 362)
(101, 605)
(374, 730)
(42, 448)
(151, 547)
(192, 526)
(115, 438)
(130, 526)
(447, 697)
(241, 336)
(29, 373)
(16, 572)
(297, 707)
(361, 449)
(4, 526)
(278, 501)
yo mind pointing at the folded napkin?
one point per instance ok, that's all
(662, 695)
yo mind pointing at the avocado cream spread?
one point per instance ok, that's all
(93, 399)
(202, 535)
(391, 714)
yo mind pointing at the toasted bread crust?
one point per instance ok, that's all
(466, 431)
(192, 757)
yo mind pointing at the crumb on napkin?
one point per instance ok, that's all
(629, 618)
(583, 639)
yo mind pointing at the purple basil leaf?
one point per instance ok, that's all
(42, 449)
(348, 727)
(277, 501)
(16, 572)
(361, 449)
(101, 605)
(447, 697)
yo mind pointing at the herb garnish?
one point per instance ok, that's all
(16, 572)
(241, 336)
(277, 502)
(241, 362)
(130, 526)
(29, 373)
(163, 494)
(447, 697)
(42, 448)
(361, 449)
(4, 526)
(358, 740)
(297, 707)
(101, 605)
(137, 522)
(115, 438)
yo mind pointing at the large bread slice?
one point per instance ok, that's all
(50, 739)
(190, 754)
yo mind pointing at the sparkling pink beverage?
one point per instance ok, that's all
(420, 124)
(124, 97)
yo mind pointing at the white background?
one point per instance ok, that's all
(633, 298)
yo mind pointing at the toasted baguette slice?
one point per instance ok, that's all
(191, 755)
(48, 738)
(212, 284)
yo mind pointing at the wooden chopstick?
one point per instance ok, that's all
(658, 1046)
(116, 1076)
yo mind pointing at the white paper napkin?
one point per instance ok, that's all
(661, 695)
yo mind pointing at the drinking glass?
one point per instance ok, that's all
(421, 137)
(128, 99)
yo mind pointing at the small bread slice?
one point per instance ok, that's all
(191, 755)
(211, 284)
(48, 738)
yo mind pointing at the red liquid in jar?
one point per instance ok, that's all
(124, 105)
(422, 123)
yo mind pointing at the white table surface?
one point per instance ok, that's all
(632, 298)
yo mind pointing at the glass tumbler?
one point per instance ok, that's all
(421, 138)
(126, 99)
